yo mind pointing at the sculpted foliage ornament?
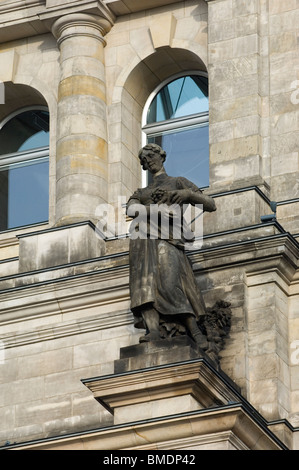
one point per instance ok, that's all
(215, 324)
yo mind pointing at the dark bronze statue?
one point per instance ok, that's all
(165, 298)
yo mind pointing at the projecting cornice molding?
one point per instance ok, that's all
(124, 7)
(21, 19)
(75, 327)
(83, 11)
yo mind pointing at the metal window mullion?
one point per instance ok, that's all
(10, 159)
(175, 124)
(166, 102)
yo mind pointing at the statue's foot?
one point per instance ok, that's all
(154, 336)
(201, 341)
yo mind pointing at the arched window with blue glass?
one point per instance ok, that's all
(176, 117)
(24, 168)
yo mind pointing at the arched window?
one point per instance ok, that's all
(24, 168)
(176, 117)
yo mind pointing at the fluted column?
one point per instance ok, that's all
(81, 170)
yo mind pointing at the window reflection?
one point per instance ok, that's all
(182, 97)
(27, 130)
(24, 194)
(177, 120)
(24, 170)
(193, 144)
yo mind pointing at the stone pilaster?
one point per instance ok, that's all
(234, 51)
(81, 172)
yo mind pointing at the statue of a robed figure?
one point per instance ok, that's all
(165, 298)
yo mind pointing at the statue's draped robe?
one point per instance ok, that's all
(160, 272)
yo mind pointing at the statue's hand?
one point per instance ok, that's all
(157, 195)
(179, 196)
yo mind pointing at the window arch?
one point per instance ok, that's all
(24, 168)
(176, 117)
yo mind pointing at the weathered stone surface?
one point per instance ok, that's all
(61, 246)
(156, 353)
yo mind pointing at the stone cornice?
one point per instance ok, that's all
(107, 292)
(21, 19)
(94, 8)
(101, 322)
(162, 381)
(17, 5)
(124, 7)
(74, 293)
(237, 425)
(258, 244)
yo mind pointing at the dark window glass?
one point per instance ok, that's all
(24, 170)
(187, 153)
(177, 120)
(182, 97)
(27, 130)
(25, 194)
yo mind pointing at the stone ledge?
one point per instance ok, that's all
(287, 215)
(60, 245)
(133, 390)
(231, 423)
(263, 244)
(160, 352)
(173, 389)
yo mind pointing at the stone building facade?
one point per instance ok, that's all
(64, 290)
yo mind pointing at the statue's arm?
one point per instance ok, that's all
(132, 207)
(189, 196)
(188, 193)
(197, 197)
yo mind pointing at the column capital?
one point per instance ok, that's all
(80, 24)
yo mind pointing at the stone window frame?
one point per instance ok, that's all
(38, 153)
(176, 123)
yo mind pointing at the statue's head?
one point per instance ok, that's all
(152, 148)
